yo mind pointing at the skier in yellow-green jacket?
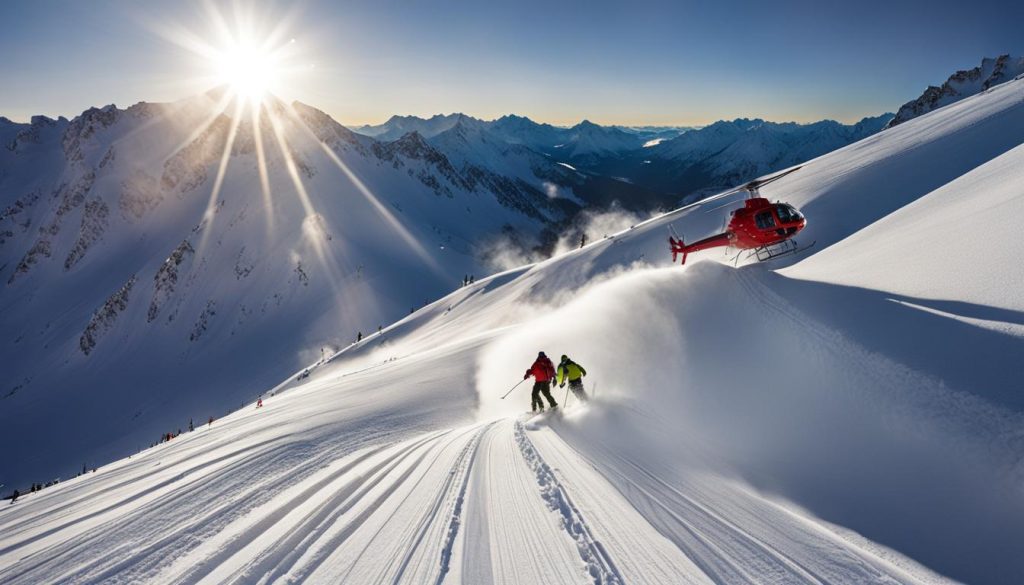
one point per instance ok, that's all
(570, 371)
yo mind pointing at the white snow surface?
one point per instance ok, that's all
(849, 415)
(137, 294)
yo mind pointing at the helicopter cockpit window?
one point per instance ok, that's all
(787, 213)
(764, 220)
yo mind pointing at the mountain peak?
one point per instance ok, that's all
(962, 84)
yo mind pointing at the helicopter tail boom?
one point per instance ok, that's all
(679, 247)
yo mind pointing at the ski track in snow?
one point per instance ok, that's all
(494, 502)
(599, 565)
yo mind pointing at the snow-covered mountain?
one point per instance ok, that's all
(849, 415)
(664, 164)
(577, 143)
(731, 152)
(398, 126)
(962, 84)
(151, 273)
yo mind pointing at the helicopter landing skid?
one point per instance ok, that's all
(784, 248)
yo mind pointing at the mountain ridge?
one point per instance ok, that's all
(963, 83)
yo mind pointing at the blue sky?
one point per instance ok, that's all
(560, 62)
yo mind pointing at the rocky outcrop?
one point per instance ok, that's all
(301, 273)
(94, 222)
(186, 170)
(105, 317)
(960, 85)
(243, 265)
(82, 128)
(413, 147)
(71, 197)
(513, 193)
(33, 134)
(15, 216)
(165, 281)
(140, 193)
(204, 321)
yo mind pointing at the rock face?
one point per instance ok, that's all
(105, 317)
(962, 84)
(165, 280)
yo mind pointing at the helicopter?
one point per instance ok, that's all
(765, 228)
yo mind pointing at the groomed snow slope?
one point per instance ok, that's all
(811, 425)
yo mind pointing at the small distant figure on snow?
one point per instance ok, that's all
(583, 239)
(570, 371)
(190, 427)
(543, 371)
(259, 403)
(359, 337)
(14, 498)
(210, 422)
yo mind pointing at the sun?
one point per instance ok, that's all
(250, 71)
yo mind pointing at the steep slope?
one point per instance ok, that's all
(961, 84)
(146, 262)
(743, 429)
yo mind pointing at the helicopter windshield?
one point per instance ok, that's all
(787, 213)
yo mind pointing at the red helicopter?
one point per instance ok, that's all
(761, 226)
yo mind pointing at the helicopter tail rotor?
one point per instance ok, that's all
(676, 244)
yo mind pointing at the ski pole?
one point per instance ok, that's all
(513, 388)
(565, 401)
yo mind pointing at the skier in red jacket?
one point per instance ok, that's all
(543, 371)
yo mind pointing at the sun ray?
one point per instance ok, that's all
(365, 191)
(200, 129)
(211, 205)
(169, 111)
(261, 166)
(324, 254)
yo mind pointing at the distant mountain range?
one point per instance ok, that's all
(583, 142)
(667, 162)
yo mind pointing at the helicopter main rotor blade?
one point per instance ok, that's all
(757, 183)
(715, 197)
